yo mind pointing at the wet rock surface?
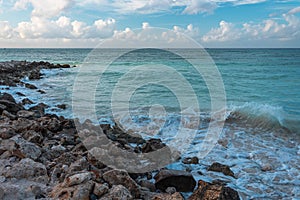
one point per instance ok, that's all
(42, 156)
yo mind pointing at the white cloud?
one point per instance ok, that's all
(195, 7)
(45, 8)
(225, 32)
(65, 28)
(6, 31)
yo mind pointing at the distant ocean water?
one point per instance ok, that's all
(263, 102)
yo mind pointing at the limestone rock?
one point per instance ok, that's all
(208, 191)
(120, 177)
(118, 192)
(217, 167)
(174, 196)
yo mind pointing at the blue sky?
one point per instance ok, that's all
(212, 23)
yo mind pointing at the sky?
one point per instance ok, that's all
(212, 23)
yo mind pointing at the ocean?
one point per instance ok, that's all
(262, 110)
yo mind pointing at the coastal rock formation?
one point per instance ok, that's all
(218, 167)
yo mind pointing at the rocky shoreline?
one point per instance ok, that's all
(42, 156)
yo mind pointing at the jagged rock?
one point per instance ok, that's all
(217, 167)
(30, 86)
(174, 196)
(62, 106)
(118, 192)
(188, 160)
(8, 115)
(170, 190)
(77, 179)
(35, 75)
(7, 97)
(152, 145)
(147, 184)
(41, 91)
(208, 191)
(29, 149)
(11, 107)
(181, 180)
(100, 189)
(39, 109)
(20, 94)
(121, 177)
(25, 114)
(7, 132)
(27, 101)
(28, 169)
(78, 165)
(77, 192)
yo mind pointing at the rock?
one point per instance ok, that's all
(11, 107)
(26, 101)
(147, 184)
(170, 190)
(30, 86)
(53, 125)
(35, 75)
(25, 114)
(77, 179)
(78, 192)
(208, 191)
(117, 192)
(29, 170)
(20, 94)
(175, 196)
(7, 132)
(62, 106)
(266, 167)
(29, 149)
(152, 145)
(7, 97)
(8, 115)
(39, 109)
(217, 167)
(2, 108)
(121, 177)
(78, 165)
(41, 91)
(100, 189)
(181, 180)
(193, 160)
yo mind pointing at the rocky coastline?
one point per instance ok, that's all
(42, 155)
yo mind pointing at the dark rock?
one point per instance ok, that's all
(62, 106)
(181, 180)
(11, 106)
(8, 115)
(35, 75)
(7, 132)
(208, 191)
(29, 149)
(27, 101)
(147, 184)
(7, 97)
(20, 94)
(120, 177)
(41, 91)
(152, 145)
(217, 167)
(39, 109)
(30, 86)
(193, 160)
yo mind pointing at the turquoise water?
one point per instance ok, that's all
(262, 81)
(263, 107)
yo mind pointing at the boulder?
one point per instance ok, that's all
(118, 192)
(121, 177)
(100, 189)
(25, 114)
(77, 179)
(174, 196)
(152, 145)
(208, 191)
(188, 160)
(26, 101)
(28, 149)
(181, 180)
(217, 167)
(30, 86)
